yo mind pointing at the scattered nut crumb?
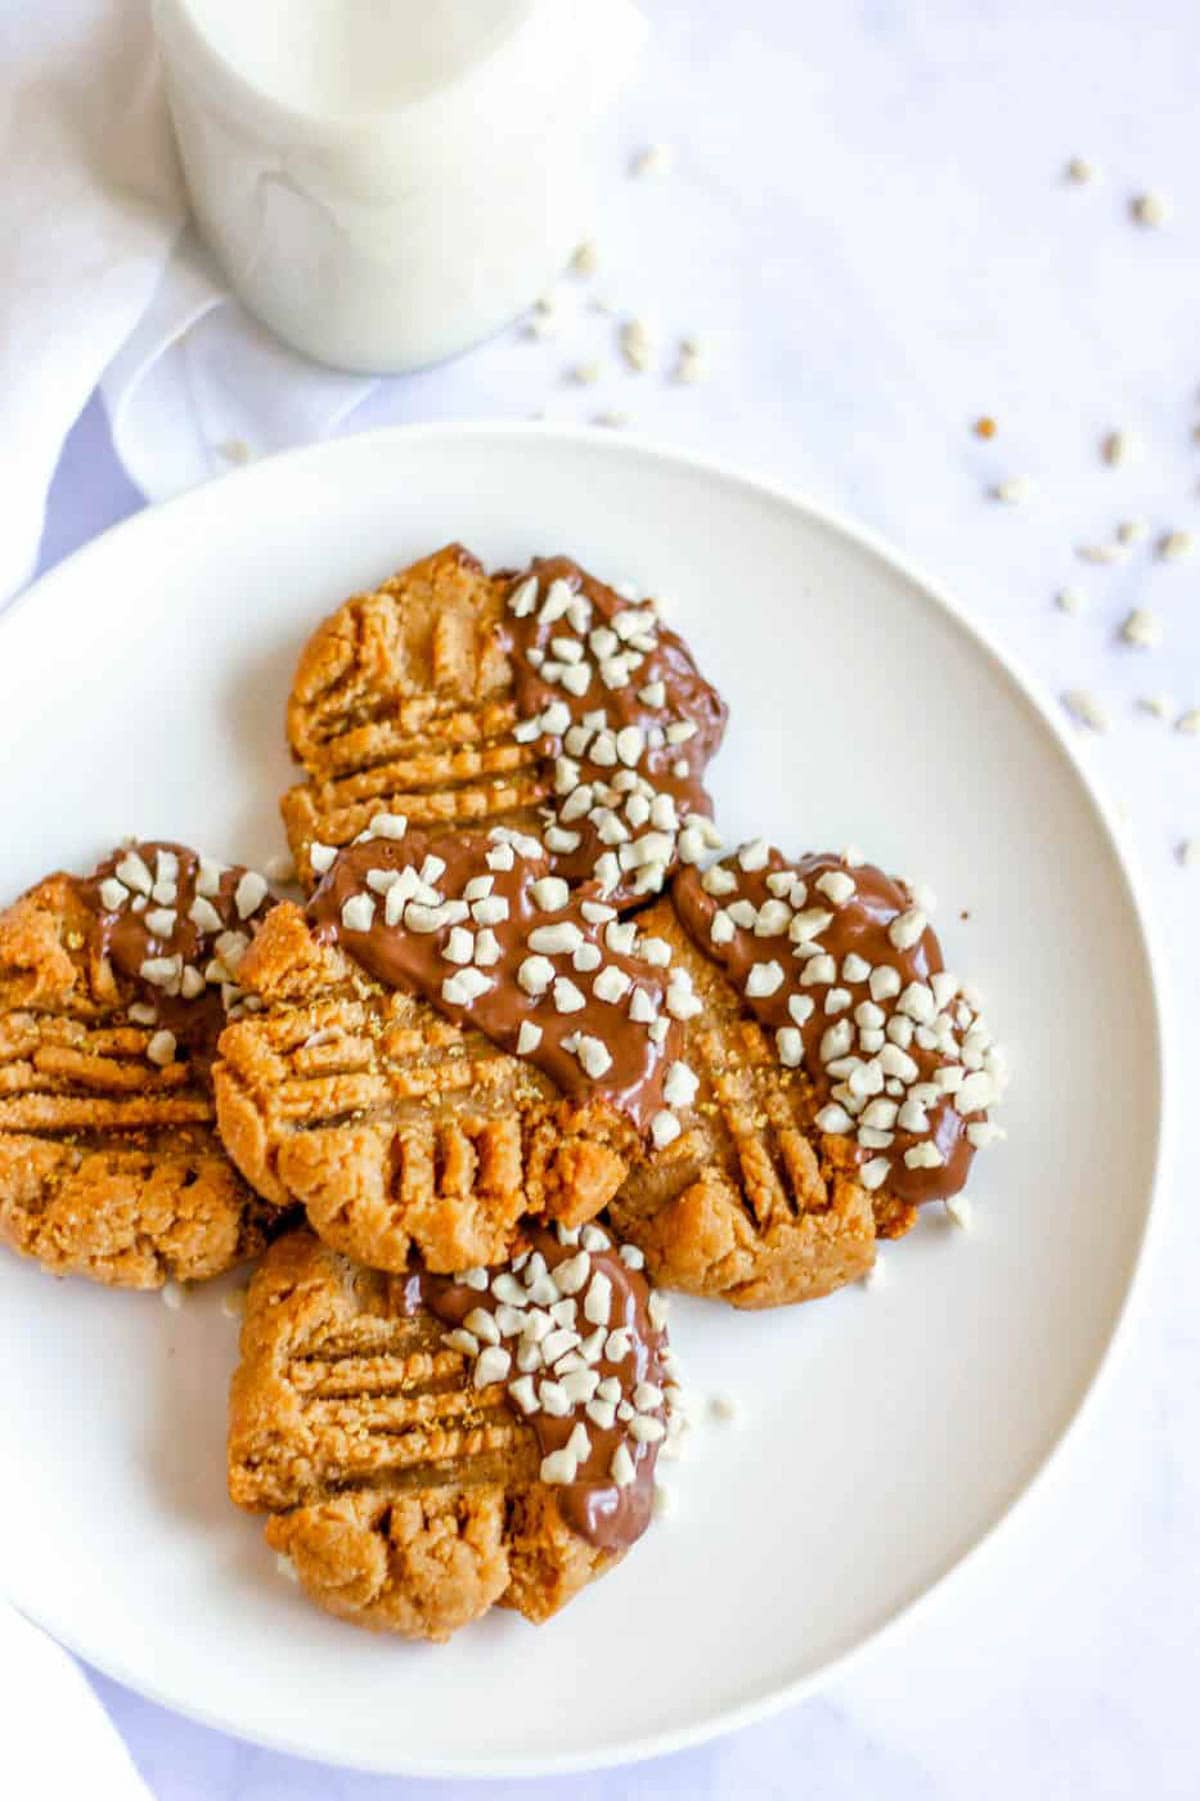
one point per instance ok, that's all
(1174, 546)
(637, 345)
(663, 1502)
(1156, 705)
(1085, 709)
(1189, 723)
(543, 325)
(655, 159)
(1142, 629)
(984, 427)
(1069, 600)
(1080, 170)
(1121, 447)
(1132, 531)
(234, 450)
(1014, 490)
(586, 259)
(1150, 208)
(614, 419)
(722, 1407)
(285, 1567)
(585, 375)
(1187, 852)
(1102, 553)
(172, 1295)
(692, 363)
(877, 1275)
(958, 1211)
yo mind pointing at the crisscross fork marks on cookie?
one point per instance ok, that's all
(406, 1497)
(392, 1126)
(751, 1203)
(403, 703)
(110, 1164)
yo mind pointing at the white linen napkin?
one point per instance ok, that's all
(97, 285)
(57, 1739)
(201, 385)
(90, 205)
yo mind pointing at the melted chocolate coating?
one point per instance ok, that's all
(672, 769)
(416, 962)
(858, 926)
(593, 1505)
(130, 936)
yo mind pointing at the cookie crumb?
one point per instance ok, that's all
(1142, 629)
(1080, 171)
(654, 160)
(1121, 447)
(1151, 208)
(984, 427)
(613, 419)
(1132, 531)
(1156, 705)
(1174, 546)
(234, 450)
(584, 375)
(1069, 600)
(722, 1407)
(1189, 723)
(1085, 709)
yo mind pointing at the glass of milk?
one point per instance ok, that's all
(386, 182)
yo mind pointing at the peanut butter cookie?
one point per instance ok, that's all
(426, 1069)
(840, 1078)
(428, 1447)
(113, 992)
(543, 701)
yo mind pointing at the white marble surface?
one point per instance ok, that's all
(868, 222)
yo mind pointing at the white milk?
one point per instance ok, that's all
(387, 181)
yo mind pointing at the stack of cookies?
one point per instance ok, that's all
(530, 1051)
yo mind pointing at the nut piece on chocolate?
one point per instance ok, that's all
(396, 1128)
(410, 1489)
(112, 996)
(542, 701)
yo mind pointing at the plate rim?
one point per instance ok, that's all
(1027, 688)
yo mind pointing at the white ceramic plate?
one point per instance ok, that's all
(882, 1432)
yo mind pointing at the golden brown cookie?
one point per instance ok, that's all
(842, 1079)
(543, 701)
(110, 1163)
(394, 1127)
(750, 1203)
(428, 1449)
